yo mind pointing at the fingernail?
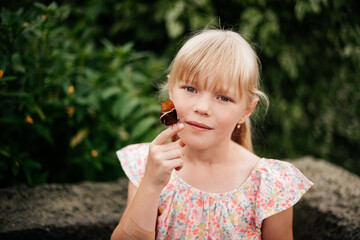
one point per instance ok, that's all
(180, 125)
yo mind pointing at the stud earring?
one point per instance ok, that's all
(238, 126)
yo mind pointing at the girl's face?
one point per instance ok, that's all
(209, 116)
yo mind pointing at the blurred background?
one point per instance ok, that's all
(79, 79)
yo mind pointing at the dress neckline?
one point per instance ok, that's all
(253, 171)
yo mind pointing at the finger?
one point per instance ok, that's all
(168, 133)
(181, 144)
(173, 154)
(171, 146)
(177, 163)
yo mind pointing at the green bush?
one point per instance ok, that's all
(66, 104)
(69, 98)
(310, 55)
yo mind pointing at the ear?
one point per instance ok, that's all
(248, 111)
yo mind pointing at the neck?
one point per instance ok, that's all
(219, 154)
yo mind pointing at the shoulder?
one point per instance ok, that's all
(133, 160)
(276, 171)
(280, 185)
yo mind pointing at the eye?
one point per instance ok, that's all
(224, 99)
(190, 89)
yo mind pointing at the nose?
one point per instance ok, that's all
(202, 106)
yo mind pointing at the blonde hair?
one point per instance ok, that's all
(227, 57)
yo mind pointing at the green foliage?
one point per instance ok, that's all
(67, 105)
(78, 82)
(311, 57)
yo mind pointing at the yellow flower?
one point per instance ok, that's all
(1, 73)
(71, 89)
(44, 16)
(71, 111)
(94, 153)
(29, 119)
(26, 24)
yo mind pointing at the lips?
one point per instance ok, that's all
(198, 125)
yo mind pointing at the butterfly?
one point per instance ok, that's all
(168, 115)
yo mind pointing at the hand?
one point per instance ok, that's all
(164, 157)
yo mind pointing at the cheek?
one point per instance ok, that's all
(227, 123)
(182, 106)
(181, 110)
(228, 119)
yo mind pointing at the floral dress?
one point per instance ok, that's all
(189, 213)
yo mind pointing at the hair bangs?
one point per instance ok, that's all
(216, 61)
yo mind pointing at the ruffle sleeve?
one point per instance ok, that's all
(281, 186)
(133, 161)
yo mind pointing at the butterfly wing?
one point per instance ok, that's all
(168, 115)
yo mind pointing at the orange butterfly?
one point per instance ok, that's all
(168, 115)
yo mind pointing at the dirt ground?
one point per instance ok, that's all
(55, 211)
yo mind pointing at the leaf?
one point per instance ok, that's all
(79, 137)
(17, 63)
(94, 101)
(8, 17)
(4, 80)
(175, 27)
(28, 176)
(128, 108)
(109, 92)
(139, 77)
(143, 126)
(15, 168)
(108, 45)
(82, 101)
(39, 111)
(30, 164)
(301, 8)
(123, 134)
(4, 153)
(97, 165)
(151, 134)
(251, 19)
(116, 107)
(40, 5)
(43, 131)
(53, 6)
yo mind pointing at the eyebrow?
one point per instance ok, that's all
(221, 90)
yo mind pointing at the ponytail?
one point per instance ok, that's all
(242, 135)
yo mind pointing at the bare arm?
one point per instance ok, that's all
(278, 226)
(131, 193)
(139, 218)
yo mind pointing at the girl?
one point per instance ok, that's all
(209, 184)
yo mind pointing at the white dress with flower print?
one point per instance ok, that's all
(189, 213)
